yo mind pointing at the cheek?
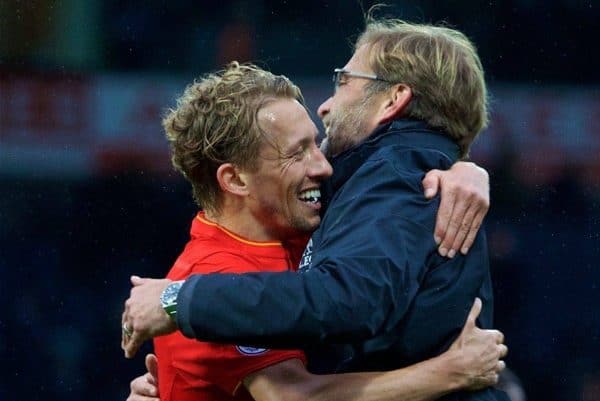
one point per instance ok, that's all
(293, 180)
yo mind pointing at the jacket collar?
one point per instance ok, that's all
(404, 132)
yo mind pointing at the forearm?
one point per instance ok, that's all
(424, 381)
(350, 293)
(279, 310)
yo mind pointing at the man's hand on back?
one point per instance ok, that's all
(465, 200)
(476, 354)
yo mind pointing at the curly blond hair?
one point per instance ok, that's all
(442, 68)
(215, 122)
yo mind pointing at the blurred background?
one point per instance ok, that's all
(88, 196)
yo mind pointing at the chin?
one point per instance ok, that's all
(313, 224)
(307, 226)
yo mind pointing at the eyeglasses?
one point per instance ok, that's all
(338, 72)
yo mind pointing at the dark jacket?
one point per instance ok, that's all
(373, 293)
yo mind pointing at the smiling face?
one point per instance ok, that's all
(284, 195)
(349, 116)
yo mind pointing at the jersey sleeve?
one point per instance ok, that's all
(223, 365)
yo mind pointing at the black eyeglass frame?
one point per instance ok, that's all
(338, 72)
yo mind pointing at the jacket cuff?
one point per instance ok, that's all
(184, 306)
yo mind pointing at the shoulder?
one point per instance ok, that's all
(387, 188)
(397, 171)
(205, 260)
(405, 161)
(393, 172)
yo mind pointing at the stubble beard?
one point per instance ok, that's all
(302, 225)
(347, 128)
(294, 222)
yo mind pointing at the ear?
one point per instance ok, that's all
(232, 180)
(395, 103)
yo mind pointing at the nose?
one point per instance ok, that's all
(319, 167)
(324, 108)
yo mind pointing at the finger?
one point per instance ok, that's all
(148, 387)
(124, 336)
(131, 348)
(124, 340)
(151, 385)
(455, 222)
(487, 379)
(153, 381)
(464, 228)
(133, 345)
(473, 230)
(137, 280)
(499, 337)
(141, 387)
(502, 350)
(500, 366)
(473, 315)
(443, 218)
(431, 183)
(152, 366)
(125, 314)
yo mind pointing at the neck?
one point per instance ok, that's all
(241, 222)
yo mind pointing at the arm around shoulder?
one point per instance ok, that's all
(472, 363)
(291, 381)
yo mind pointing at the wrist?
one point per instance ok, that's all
(168, 299)
(453, 367)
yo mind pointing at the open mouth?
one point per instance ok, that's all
(312, 196)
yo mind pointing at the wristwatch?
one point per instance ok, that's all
(168, 299)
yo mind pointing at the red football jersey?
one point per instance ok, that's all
(191, 370)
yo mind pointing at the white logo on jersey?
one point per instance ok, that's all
(250, 350)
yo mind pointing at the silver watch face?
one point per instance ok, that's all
(169, 295)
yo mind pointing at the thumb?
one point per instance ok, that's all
(473, 315)
(431, 183)
(137, 280)
(152, 366)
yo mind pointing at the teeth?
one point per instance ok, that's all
(312, 195)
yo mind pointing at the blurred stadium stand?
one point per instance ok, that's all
(88, 196)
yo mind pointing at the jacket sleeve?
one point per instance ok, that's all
(364, 274)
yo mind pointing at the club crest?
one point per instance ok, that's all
(305, 262)
(250, 350)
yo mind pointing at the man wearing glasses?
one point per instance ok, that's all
(373, 293)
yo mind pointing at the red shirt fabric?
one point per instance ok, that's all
(190, 370)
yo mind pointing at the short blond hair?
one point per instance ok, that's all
(215, 122)
(442, 68)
